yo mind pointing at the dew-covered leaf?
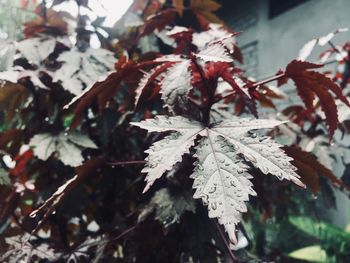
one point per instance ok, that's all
(214, 53)
(164, 154)
(176, 85)
(221, 181)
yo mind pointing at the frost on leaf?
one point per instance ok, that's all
(168, 207)
(81, 69)
(7, 53)
(21, 250)
(176, 85)
(164, 154)
(67, 147)
(214, 53)
(224, 154)
(4, 177)
(221, 181)
(35, 50)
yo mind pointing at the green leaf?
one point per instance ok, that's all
(312, 253)
(324, 232)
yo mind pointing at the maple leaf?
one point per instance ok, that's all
(214, 53)
(36, 49)
(311, 84)
(53, 24)
(21, 250)
(12, 96)
(168, 207)
(203, 9)
(158, 21)
(67, 146)
(7, 53)
(306, 50)
(179, 6)
(81, 69)
(4, 177)
(310, 169)
(223, 155)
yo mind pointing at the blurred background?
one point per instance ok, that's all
(274, 31)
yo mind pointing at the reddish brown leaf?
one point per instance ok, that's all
(149, 78)
(179, 6)
(311, 84)
(53, 24)
(203, 9)
(309, 168)
(12, 96)
(158, 21)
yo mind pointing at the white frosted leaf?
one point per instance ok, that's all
(81, 140)
(36, 49)
(165, 123)
(44, 145)
(214, 53)
(147, 79)
(176, 85)
(7, 54)
(168, 206)
(21, 250)
(4, 177)
(265, 155)
(164, 154)
(67, 147)
(82, 69)
(239, 126)
(221, 181)
(216, 33)
(306, 50)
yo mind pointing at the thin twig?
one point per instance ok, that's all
(127, 162)
(125, 232)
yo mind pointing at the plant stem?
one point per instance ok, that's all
(210, 93)
(127, 162)
(254, 85)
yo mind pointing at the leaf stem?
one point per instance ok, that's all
(229, 251)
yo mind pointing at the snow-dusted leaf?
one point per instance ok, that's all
(81, 140)
(214, 53)
(215, 33)
(21, 250)
(221, 181)
(168, 207)
(81, 69)
(306, 50)
(68, 147)
(176, 85)
(148, 78)
(164, 154)
(165, 123)
(36, 49)
(223, 154)
(4, 177)
(239, 126)
(7, 54)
